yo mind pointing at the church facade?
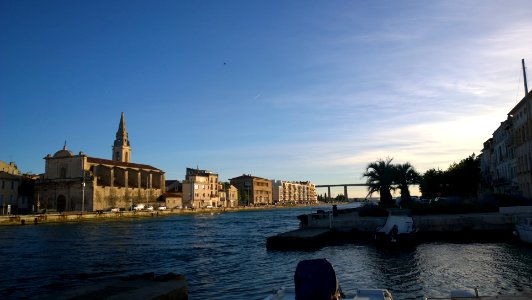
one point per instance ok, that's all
(83, 183)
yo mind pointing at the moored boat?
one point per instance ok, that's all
(397, 229)
(523, 229)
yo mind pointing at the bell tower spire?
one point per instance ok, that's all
(121, 146)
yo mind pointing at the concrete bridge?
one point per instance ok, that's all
(328, 186)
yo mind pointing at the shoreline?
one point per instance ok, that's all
(73, 217)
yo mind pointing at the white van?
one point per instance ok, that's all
(138, 207)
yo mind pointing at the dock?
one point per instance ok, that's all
(324, 228)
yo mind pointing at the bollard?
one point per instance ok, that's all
(22, 222)
(35, 221)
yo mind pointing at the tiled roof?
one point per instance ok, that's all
(120, 163)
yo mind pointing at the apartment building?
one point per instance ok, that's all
(200, 189)
(506, 158)
(253, 190)
(285, 192)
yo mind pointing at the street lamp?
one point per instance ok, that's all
(83, 194)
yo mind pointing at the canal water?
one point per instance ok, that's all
(224, 256)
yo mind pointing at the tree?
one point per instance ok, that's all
(380, 176)
(464, 177)
(404, 176)
(461, 179)
(433, 184)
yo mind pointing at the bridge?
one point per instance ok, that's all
(328, 186)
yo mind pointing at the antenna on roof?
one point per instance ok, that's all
(524, 76)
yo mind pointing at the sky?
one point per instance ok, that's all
(286, 90)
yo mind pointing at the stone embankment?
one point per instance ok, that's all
(324, 227)
(54, 217)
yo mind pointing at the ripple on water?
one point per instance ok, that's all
(224, 257)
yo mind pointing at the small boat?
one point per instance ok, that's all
(523, 229)
(315, 279)
(397, 229)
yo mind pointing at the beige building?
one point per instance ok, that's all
(9, 168)
(80, 182)
(284, 192)
(253, 190)
(228, 195)
(200, 189)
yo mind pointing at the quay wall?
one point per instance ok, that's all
(53, 217)
(351, 221)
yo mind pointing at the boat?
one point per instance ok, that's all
(399, 228)
(523, 229)
(315, 279)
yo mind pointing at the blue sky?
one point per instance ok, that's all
(292, 90)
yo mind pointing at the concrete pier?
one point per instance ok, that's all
(340, 224)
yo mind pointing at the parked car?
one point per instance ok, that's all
(115, 209)
(150, 208)
(162, 207)
(138, 207)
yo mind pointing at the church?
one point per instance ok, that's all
(82, 183)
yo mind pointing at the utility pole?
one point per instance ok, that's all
(524, 76)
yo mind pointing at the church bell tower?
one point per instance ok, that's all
(121, 147)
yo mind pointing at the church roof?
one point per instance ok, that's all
(63, 152)
(120, 163)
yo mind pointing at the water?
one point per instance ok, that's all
(224, 256)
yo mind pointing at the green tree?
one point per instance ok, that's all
(464, 177)
(404, 176)
(433, 184)
(460, 179)
(379, 178)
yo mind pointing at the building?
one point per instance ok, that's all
(522, 139)
(506, 158)
(228, 195)
(292, 192)
(10, 168)
(200, 189)
(253, 190)
(174, 194)
(83, 183)
(16, 191)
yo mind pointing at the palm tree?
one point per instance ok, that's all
(405, 175)
(380, 176)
